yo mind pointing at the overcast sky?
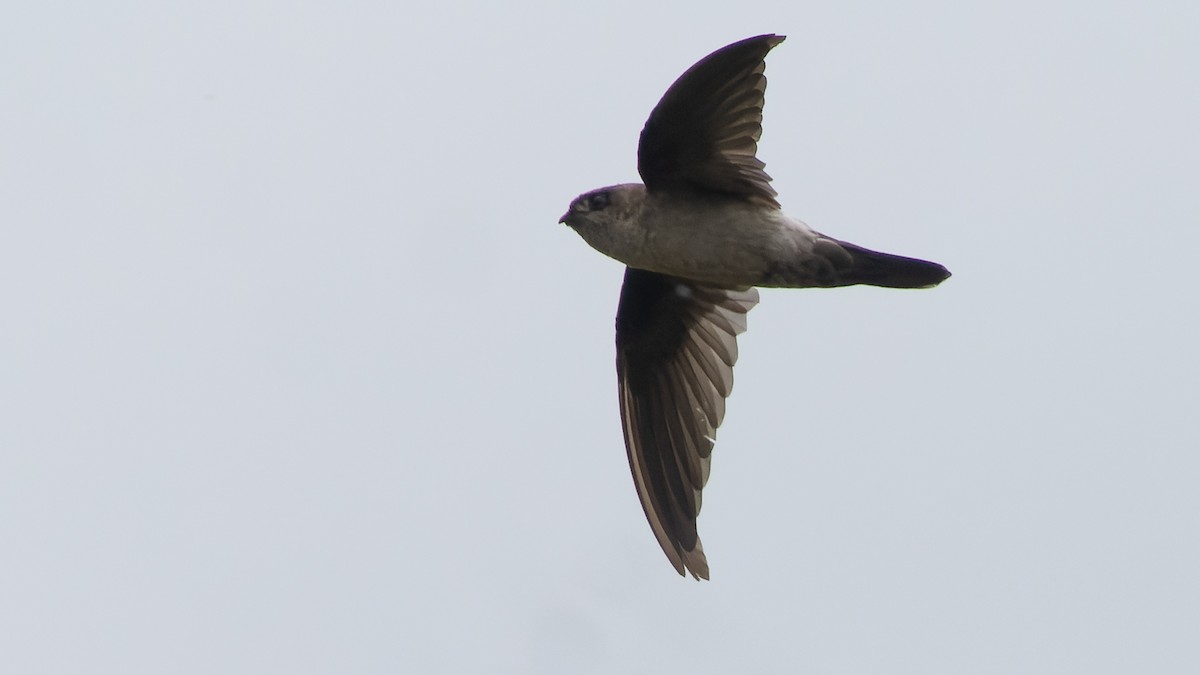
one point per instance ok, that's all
(299, 374)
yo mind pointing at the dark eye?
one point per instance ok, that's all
(597, 201)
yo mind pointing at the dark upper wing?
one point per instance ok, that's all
(676, 348)
(704, 132)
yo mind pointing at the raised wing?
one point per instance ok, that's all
(703, 134)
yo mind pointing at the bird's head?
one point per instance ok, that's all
(609, 219)
(603, 206)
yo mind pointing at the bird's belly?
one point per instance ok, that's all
(728, 250)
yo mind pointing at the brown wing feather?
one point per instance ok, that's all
(703, 134)
(676, 347)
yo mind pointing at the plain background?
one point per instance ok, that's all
(299, 374)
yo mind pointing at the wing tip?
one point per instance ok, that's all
(691, 562)
(770, 38)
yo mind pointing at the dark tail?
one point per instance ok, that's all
(892, 271)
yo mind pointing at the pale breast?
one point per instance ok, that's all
(726, 244)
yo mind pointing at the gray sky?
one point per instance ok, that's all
(299, 374)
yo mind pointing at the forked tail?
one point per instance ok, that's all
(891, 271)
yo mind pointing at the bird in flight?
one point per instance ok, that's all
(697, 238)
